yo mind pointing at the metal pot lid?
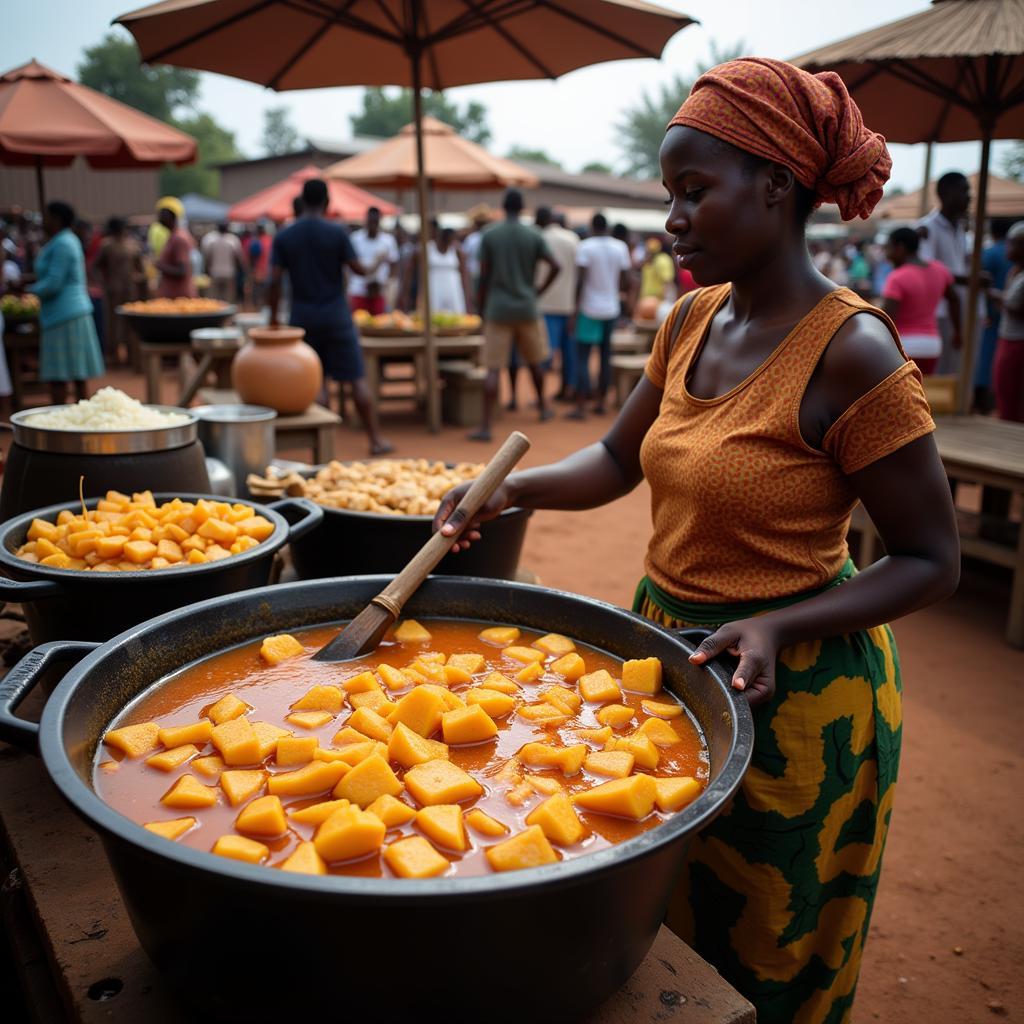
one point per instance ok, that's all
(104, 442)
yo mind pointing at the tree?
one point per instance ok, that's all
(279, 134)
(596, 167)
(537, 156)
(642, 126)
(386, 113)
(1013, 161)
(112, 67)
(216, 145)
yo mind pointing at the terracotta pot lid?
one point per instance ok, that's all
(275, 335)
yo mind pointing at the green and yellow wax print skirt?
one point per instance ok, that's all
(777, 892)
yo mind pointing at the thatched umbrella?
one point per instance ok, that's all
(307, 44)
(952, 73)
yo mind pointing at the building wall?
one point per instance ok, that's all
(95, 195)
(240, 180)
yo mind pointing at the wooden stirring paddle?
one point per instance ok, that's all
(367, 629)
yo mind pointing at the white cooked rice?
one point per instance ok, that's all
(108, 409)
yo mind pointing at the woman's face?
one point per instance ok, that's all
(720, 214)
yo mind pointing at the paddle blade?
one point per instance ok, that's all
(361, 636)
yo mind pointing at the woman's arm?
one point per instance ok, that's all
(593, 476)
(58, 269)
(907, 496)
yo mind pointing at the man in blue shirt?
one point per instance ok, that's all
(315, 253)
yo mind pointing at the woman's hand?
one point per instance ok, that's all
(449, 520)
(756, 645)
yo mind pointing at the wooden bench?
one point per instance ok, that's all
(626, 373)
(988, 452)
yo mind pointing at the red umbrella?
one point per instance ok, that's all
(46, 119)
(346, 201)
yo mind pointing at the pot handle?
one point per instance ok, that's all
(17, 684)
(18, 591)
(695, 634)
(302, 514)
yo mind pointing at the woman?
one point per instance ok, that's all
(449, 279)
(119, 266)
(772, 402)
(69, 350)
(911, 294)
(1008, 364)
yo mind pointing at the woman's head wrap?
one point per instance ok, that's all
(807, 122)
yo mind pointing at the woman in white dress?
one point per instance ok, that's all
(449, 281)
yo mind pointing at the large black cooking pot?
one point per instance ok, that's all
(358, 543)
(544, 944)
(68, 604)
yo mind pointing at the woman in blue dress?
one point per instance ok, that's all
(69, 351)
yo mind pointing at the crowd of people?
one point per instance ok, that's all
(550, 295)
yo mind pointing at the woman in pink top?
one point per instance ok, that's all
(911, 294)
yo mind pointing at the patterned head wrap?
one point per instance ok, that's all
(806, 122)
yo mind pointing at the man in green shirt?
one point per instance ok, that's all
(507, 298)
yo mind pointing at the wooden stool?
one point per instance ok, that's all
(152, 365)
(627, 371)
(216, 348)
(462, 397)
(312, 429)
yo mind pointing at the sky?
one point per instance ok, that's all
(572, 118)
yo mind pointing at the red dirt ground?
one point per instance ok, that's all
(948, 931)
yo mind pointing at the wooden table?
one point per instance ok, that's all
(216, 348)
(312, 429)
(21, 342)
(989, 452)
(153, 354)
(413, 349)
(78, 959)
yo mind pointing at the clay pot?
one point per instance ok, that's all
(277, 369)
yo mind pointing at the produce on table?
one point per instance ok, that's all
(410, 487)
(19, 307)
(108, 409)
(400, 321)
(451, 750)
(127, 534)
(179, 306)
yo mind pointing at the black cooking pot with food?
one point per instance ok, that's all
(72, 604)
(353, 543)
(45, 465)
(542, 944)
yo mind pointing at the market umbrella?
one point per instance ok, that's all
(345, 201)
(449, 162)
(48, 120)
(305, 44)
(952, 73)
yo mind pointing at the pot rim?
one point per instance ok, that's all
(9, 560)
(378, 517)
(100, 815)
(105, 440)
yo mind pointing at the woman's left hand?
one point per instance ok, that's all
(756, 645)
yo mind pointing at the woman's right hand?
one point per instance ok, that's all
(449, 520)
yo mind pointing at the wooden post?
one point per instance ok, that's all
(929, 152)
(40, 188)
(966, 382)
(430, 351)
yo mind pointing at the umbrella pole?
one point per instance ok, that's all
(430, 351)
(966, 384)
(40, 188)
(929, 152)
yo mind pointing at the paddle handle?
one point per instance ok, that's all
(407, 582)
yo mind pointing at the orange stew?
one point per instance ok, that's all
(456, 748)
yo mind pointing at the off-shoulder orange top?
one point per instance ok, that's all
(743, 508)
